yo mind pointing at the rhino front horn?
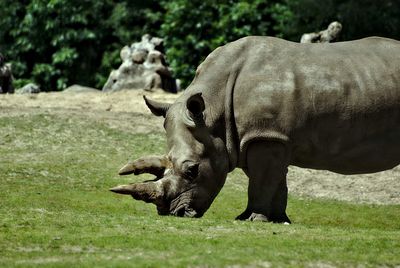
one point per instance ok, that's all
(147, 191)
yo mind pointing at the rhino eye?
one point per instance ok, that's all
(191, 170)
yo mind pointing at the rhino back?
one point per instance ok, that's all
(336, 105)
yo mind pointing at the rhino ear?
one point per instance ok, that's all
(195, 105)
(157, 108)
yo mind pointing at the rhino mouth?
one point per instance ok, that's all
(181, 206)
(167, 202)
(181, 210)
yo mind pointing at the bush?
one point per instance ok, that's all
(60, 42)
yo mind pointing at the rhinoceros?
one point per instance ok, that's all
(262, 104)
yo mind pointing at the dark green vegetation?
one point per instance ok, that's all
(58, 43)
(56, 211)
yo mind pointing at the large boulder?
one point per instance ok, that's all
(30, 88)
(143, 67)
(79, 89)
(326, 36)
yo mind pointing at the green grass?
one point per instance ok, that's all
(56, 211)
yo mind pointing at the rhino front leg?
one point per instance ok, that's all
(267, 166)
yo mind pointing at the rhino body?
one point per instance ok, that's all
(262, 104)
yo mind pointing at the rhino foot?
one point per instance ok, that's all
(248, 216)
(251, 216)
(258, 217)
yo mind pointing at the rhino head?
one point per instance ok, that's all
(193, 171)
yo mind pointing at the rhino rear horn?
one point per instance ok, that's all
(155, 165)
(157, 108)
(149, 192)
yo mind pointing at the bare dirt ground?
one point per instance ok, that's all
(125, 110)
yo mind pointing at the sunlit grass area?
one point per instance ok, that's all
(56, 211)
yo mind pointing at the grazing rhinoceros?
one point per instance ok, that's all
(262, 104)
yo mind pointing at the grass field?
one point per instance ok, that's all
(56, 211)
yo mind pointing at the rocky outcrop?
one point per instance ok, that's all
(326, 36)
(30, 88)
(143, 67)
(79, 89)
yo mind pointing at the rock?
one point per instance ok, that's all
(80, 89)
(30, 88)
(143, 67)
(326, 36)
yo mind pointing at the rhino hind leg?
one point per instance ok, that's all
(267, 164)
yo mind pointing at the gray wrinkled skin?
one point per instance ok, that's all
(262, 104)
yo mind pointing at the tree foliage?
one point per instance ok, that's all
(192, 29)
(359, 18)
(56, 43)
(60, 42)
